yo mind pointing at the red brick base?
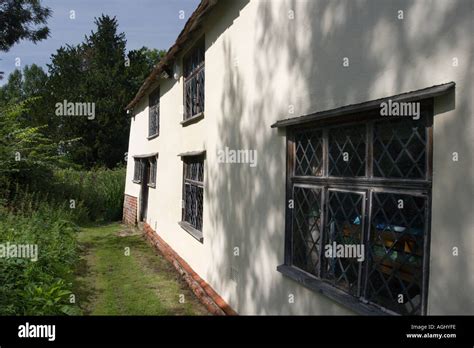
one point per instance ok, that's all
(129, 210)
(213, 302)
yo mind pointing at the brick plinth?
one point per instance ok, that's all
(204, 292)
(129, 210)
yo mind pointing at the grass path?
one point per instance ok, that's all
(109, 282)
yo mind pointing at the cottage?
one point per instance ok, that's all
(300, 84)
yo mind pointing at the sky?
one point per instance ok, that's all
(151, 23)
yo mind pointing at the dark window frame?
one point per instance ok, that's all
(154, 113)
(139, 167)
(194, 83)
(192, 209)
(368, 184)
(152, 171)
(137, 171)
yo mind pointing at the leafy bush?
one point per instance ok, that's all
(27, 156)
(41, 287)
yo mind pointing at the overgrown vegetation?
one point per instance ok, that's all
(99, 191)
(50, 221)
(41, 203)
(41, 287)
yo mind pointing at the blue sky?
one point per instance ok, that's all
(151, 23)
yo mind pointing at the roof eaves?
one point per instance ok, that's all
(192, 24)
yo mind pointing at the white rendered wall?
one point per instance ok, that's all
(260, 65)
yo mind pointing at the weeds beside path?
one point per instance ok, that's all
(120, 274)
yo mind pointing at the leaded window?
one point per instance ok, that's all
(145, 169)
(193, 191)
(154, 113)
(344, 227)
(152, 171)
(309, 147)
(138, 170)
(358, 220)
(347, 151)
(395, 264)
(194, 78)
(306, 231)
(400, 149)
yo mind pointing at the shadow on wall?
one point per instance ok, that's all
(386, 56)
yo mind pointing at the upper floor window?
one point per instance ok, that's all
(193, 66)
(359, 211)
(154, 113)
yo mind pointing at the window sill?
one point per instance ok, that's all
(330, 291)
(150, 137)
(191, 230)
(192, 119)
(151, 185)
(136, 181)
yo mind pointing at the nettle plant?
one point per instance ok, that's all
(42, 286)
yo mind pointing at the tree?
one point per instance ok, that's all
(27, 157)
(27, 84)
(22, 19)
(98, 72)
(141, 63)
(34, 81)
(21, 85)
(13, 89)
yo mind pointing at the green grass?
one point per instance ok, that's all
(110, 283)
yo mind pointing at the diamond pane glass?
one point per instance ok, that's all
(154, 112)
(347, 151)
(193, 190)
(194, 94)
(306, 228)
(152, 171)
(396, 252)
(194, 81)
(309, 153)
(193, 205)
(400, 149)
(194, 168)
(344, 237)
(194, 59)
(137, 174)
